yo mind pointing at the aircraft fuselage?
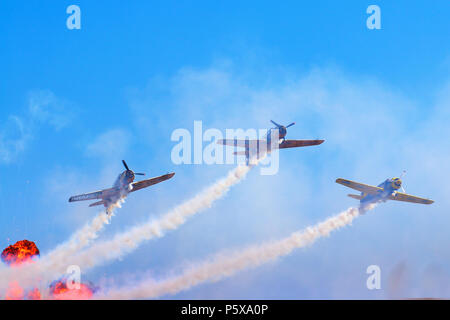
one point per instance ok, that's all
(124, 179)
(281, 134)
(123, 186)
(389, 186)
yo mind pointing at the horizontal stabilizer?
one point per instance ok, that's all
(355, 196)
(242, 143)
(98, 203)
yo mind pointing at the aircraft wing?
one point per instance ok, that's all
(365, 188)
(93, 195)
(240, 142)
(299, 143)
(253, 144)
(409, 198)
(149, 182)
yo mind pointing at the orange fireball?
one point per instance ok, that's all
(15, 292)
(16, 254)
(60, 291)
(20, 252)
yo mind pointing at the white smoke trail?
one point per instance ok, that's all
(125, 242)
(55, 263)
(56, 259)
(227, 264)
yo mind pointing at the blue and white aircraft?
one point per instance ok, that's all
(122, 187)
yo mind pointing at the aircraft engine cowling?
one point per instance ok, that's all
(396, 183)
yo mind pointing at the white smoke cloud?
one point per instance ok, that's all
(54, 264)
(14, 137)
(110, 145)
(228, 263)
(128, 241)
(44, 108)
(372, 131)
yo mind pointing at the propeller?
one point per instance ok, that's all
(128, 169)
(282, 130)
(280, 126)
(125, 165)
(290, 125)
(276, 124)
(401, 176)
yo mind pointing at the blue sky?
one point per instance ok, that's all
(75, 102)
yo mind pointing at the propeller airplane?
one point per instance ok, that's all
(123, 185)
(255, 146)
(387, 190)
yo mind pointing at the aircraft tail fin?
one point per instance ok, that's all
(355, 196)
(98, 203)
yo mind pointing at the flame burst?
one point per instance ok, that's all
(20, 252)
(59, 290)
(23, 252)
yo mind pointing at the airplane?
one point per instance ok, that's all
(266, 144)
(122, 187)
(387, 190)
